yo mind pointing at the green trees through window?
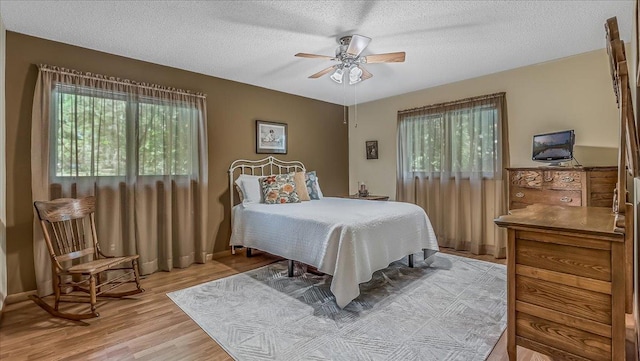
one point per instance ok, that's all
(463, 140)
(98, 133)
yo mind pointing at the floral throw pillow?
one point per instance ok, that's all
(279, 188)
(312, 184)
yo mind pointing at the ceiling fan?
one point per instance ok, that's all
(350, 61)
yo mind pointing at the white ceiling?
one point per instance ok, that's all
(254, 42)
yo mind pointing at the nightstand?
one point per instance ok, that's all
(368, 198)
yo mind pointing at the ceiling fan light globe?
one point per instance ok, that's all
(337, 76)
(355, 75)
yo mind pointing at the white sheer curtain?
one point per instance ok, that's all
(451, 160)
(140, 149)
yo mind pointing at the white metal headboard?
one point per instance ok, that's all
(266, 166)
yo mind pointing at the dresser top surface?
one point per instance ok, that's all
(588, 220)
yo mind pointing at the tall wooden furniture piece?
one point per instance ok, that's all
(569, 269)
(77, 262)
(566, 286)
(579, 186)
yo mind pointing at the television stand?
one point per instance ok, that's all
(568, 186)
(554, 164)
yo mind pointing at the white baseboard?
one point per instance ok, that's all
(19, 297)
(221, 254)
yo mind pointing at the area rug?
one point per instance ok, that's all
(452, 309)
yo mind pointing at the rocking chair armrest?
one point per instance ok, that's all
(104, 255)
(57, 263)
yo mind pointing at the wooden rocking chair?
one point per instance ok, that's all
(77, 262)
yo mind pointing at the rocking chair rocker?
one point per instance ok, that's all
(77, 262)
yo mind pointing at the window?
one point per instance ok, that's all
(463, 140)
(99, 133)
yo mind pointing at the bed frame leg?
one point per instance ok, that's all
(290, 271)
(411, 260)
(428, 260)
(248, 253)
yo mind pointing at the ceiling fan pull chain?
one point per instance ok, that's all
(355, 106)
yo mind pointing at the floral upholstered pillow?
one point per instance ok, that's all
(279, 188)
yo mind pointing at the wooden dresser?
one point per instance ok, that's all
(565, 283)
(583, 186)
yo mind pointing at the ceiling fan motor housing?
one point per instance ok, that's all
(346, 60)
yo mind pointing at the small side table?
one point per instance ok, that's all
(368, 198)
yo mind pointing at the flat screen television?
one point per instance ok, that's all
(553, 148)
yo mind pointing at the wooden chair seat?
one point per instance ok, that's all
(98, 265)
(69, 230)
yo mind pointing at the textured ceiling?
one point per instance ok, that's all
(254, 42)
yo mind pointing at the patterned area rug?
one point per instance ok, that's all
(453, 309)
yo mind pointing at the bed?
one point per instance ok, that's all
(346, 238)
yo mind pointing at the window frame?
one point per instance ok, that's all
(132, 128)
(446, 142)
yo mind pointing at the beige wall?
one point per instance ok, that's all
(232, 110)
(3, 173)
(570, 93)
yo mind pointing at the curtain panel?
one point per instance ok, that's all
(140, 149)
(451, 162)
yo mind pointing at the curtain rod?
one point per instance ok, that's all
(114, 80)
(454, 102)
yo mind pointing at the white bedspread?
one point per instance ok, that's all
(347, 238)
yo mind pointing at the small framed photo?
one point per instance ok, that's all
(372, 149)
(271, 137)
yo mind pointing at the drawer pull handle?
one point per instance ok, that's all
(567, 179)
(566, 199)
(548, 179)
(519, 194)
(530, 178)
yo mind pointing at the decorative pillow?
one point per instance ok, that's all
(279, 188)
(301, 186)
(311, 180)
(320, 195)
(240, 194)
(251, 189)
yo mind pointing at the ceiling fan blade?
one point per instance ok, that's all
(322, 72)
(305, 55)
(357, 44)
(385, 58)
(365, 74)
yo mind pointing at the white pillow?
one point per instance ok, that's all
(251, 188)
(319, 190)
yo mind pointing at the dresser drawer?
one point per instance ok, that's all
(585, 345)
(526, 178)
(527, 196)
(537, 251)
(562, 180)
(567, 300)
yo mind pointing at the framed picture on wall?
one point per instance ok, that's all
(372, 149)
(271, 137)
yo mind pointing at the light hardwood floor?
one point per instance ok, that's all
(144, 327)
